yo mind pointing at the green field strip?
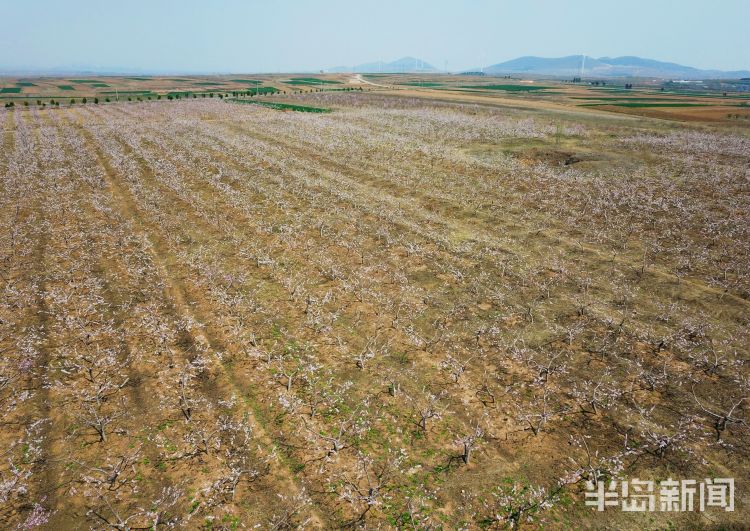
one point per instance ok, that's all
(281, 106)
(508, 88)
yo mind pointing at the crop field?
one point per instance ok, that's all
(414, 311)
(281, 106)
(646, 99)
(508, 88)
(660, 100)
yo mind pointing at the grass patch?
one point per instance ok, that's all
(208, 83)
(99, 85)
(10, 90)
(509, 88)
(89, 81)
(25, 84)
(311, 81)
(66, 87)
(139, 78)
(281, 106)
(248, 81)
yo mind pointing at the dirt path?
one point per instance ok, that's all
(359, 79)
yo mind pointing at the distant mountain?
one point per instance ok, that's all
(627, 66)
(404, 65)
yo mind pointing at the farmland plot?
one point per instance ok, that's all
(227, 315)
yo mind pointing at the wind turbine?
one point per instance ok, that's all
(583, 64)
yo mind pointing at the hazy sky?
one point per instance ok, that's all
(297, 35)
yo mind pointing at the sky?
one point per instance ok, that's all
(235, 36)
